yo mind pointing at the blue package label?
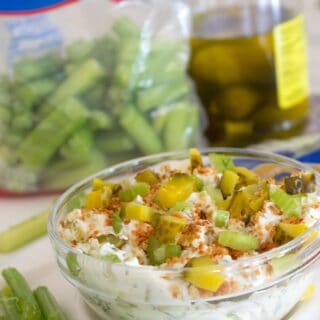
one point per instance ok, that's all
(30, 6)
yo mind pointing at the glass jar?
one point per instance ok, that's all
(248, 63)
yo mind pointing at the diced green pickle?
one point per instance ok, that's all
(178, 188)
(135, 211)
(169, 228)
(246, 176)
(195, 158)
(228, 182)
(147, 176)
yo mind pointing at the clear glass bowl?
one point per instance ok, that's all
(118, 291)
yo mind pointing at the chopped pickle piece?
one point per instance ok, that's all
(205, 277)
(304, 184)
(246, 176)
(169, 228)
(237, 205)
(221, 162)
(135, 211)
(288, 204)
(221, 218)
(158, 252)
(147, 176)
(98, 184)
(180, 207)
(214, 193)
(94, 200)
(238, 240)
(200, 262)
(113, 239)
(177, 188)
(195, 159)
(116, 222)
(139, 188)
(293, 230)
(228, 182)
(225, 204)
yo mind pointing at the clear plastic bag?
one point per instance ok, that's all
(89, 84)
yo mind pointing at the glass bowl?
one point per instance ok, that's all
(273, 283)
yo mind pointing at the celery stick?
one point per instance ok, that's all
(31, 93)
(79, 50)
(288, 204)
(156, 96)
(80, 80)
(115, 142)
(10, 308)
(140, 130)
(221, 162)
(48, 304)
(41, 143)
(238, 240)
(24, 232)
(125, 28)
(21, 289)
(78, 145)
(177, 132)
(34, 68)
(100, 120)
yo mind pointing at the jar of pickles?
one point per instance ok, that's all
(248, 62)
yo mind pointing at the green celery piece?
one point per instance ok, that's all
(28, 69)
(21, 289)
(159, 117)
(79, 50)
(153, 97)
(5, 116)
(139, 188)
(48, 304)
(179, 128)
(214, 193)
(22, 121)
(95, 98)
(221, 162)
(85, 76)
(140, 130)
(115, 143)
(63, 173)
(238, 240)
(221, 218)
(125, 28)
(180, 207)
(116, 222)
(288, 204)
(10, 308)
(32, 93)
(111, 258)
(79, 144)
(24, 232)
(43, 141)
(72, 263)
(100, 120)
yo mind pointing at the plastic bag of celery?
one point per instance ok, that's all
(89, 84)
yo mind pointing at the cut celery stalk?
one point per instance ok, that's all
(221, 162)
(238, 240)
(221, 218)
(24, 232)
(289, 205)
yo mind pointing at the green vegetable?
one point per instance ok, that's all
(214, 193)
(221, 162)
(221, 218)
(48, 304)
(116, 222)
(152, 97)
(111, 258)
(73, 264)
(289, 205)
(35, 151)
(180, 207)
(79, 50)
(115, 142)
(21, 289)
(238, 240)
(125, 28)
(141, 132)
(139, 188)
(24, 232)
(180, 127)
(28, 69)
(10, 308)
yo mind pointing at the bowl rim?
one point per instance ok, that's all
(242, 263)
